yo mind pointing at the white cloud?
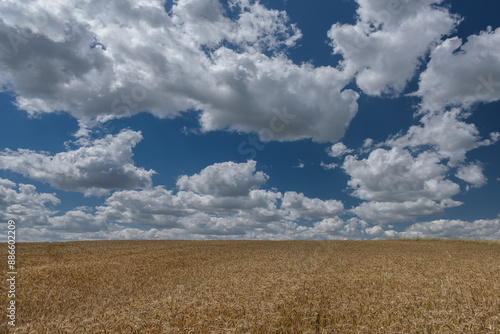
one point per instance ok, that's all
(34, 214)
(38, 234)
(417, 169)
(77, 221)
(23, 204)
(455, 229)
(399, 186)
(300, 164)
(220, 200)
(262, 28)
(375, 231)
(158, 207)
(473, 174)
(410, 180)
(95, 168)
(338, 150)
(153, 206)
(385, 46)
(277, 99)
(462, 73)
(397, 212)
(224, 179)
(333, 228)
(122, 57)
(328, 166)
(258, 214)
(451, 137)
(396, 176)
(368, 142)
(301, 206)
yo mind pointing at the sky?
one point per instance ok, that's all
(240, 119)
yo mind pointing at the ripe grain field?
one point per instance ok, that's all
(396, 286)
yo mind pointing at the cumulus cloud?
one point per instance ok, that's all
(396, 176)
(328, 166)
(302, 206)
(300, 164)
(473, 174)
(445, 131)
(399, 186)
(234, 209)
(385, 46)
(482, 229)
(338, 150)
(23, 204)
(95, 168)
(450, 137)
(223, 199)
(368, 142)
(267, 210)
(455, 229)
(334, 228)
(411, 178)
(77, 221)
(158, 213)
(377, 232)
(122, 57)
(224, 179)
(396, 212)
(462, 73)
(35, 214)
(153, 206)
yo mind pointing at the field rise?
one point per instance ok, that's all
(396, 286)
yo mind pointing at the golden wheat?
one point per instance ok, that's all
(399, 286)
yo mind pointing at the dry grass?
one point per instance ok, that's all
(257, 287)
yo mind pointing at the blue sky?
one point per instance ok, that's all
(239, 119)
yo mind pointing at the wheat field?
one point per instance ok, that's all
(394, 286)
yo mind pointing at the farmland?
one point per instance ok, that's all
(394, 286)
